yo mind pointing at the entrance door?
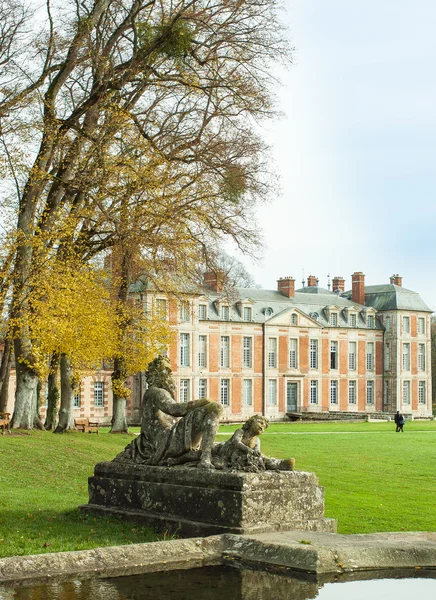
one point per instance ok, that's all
(291, 396)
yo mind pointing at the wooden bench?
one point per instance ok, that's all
(86, 426)
(5, 421)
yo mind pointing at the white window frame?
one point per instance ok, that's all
(161, 308)
(184, 389)
(406, 324)
(406, 392)
(421, 357)
(334, 355)
(421, 325)
(313, 353)
(370, 321)
(225, 352)
(293, 353)
(225, 392)
(247, 313)
(334, 388)
(202, 312)
(406, 357)
(422, 392)
(313, 391)
(352, 392)
(370, 356)
(334, 319)
(370, 392)
(202, 351)
(77, 400)
(272, 392)
(185, 349)
(202, 388)
(352, 356)
(99, 394)
(225, 312)
(353, 319)
(294, 319)
(247, 392)
(272, 353)
(387, 359)
(247, 352)
(184, 311)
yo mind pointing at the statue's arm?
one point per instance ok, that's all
(165, 403)
(236, 440)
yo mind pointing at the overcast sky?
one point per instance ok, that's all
(356, 149)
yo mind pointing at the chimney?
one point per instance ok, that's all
(358, 287)
(286, 285)
(396, 280)
(338, 284)
(312, 281)
(214, 280)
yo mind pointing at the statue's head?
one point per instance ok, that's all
(159, 375)
(256, 424)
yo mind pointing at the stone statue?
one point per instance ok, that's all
(171, 430)
(175, 433)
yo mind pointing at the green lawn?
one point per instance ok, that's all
(375, 480)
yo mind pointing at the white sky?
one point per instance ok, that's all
(356, 149)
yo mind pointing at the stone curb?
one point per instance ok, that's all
(114, 561)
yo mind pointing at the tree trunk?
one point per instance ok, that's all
(119, 420)
(5, 372)
(66, 420)
(25, 397)
(52, 394)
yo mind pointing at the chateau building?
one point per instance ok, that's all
(288, 352)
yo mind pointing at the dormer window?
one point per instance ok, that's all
(370, 321)
(184, 311)
(225, 313)
(202, 312)
(352, 320)
(314, 315)
(334, 319)
(268, 311)
(247, 313)
(294, 319)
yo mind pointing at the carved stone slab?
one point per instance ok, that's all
(193, 501)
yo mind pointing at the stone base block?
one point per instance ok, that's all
(191, 501)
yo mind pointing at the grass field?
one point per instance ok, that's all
(374, 479)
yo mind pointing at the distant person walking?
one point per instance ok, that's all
(399, 421)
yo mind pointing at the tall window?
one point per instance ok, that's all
(421, 392)
(292, 353)
(370, 392)
(202, 350)
(313, 354)
(333, 392)
(351, 392)
(184, 349)
(406, 324)
(202, 388)
(184, 311)
(370, 321)
(225, 351)
(387, 398)
(314, 391)
(224, 392)
(387, 357)
(334, 319)
(202, 312)
(294, 319)
(388, 323)
(352, 356)
(421, 357)
(352, 320)
(98, 393)
(225, 313)
(247, 352)
(184, 390)
(406, 392)
(421, 325)
(161, 308)
(406, 357)
(246, 313)
(272, 353)
(370, 356)
(76, 403)
(247, 392)
(272, 392)
(334, 355)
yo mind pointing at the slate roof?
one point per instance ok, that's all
(392, 297)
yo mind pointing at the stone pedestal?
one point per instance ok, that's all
(193, 501)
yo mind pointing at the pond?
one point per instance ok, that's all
(218, 583)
